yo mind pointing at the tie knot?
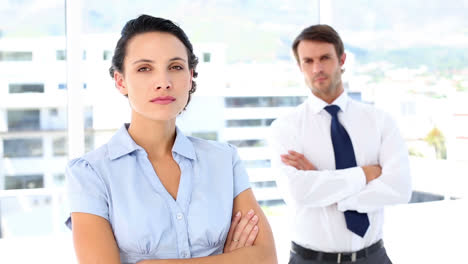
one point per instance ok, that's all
(332, 110)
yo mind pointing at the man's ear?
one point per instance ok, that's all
(342, 59)
(120, 83)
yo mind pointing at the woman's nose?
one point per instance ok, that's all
(162, 82)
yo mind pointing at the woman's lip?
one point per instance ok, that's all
(163, 100)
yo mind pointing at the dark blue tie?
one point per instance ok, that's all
(357, 222)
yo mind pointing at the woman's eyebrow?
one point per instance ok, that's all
(152, 61)
(177, 58)
(143, 60)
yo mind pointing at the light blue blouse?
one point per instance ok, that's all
(118, 183)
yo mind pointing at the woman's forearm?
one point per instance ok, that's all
(258, 254)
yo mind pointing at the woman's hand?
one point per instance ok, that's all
(243, 231)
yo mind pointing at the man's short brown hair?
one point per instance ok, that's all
(323, 33)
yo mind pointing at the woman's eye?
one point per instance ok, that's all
(177, 67)
(143, 69)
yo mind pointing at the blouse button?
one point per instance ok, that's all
(179, 216)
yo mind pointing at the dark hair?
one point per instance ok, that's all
(144, 24)
(323, 33)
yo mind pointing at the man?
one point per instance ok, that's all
(339, 162)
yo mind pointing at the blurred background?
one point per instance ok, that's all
(57, 101)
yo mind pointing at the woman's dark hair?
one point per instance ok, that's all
(144, 24)
(323, 33)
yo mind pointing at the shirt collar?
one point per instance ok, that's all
(122, 144)
(183, 146)
(318, 104)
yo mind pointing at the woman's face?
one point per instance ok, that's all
(156, 76)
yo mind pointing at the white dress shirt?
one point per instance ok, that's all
(319, 197)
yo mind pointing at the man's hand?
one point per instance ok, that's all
(243, 231)
(372, 172)
(297, 160)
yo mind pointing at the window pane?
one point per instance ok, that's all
(257, 163)
(24, 182)
(206, 135)
(15, 55)
(61, 55)
(21, 148)
(60, 146)
(248, 143)
(23, 120)
(26, 88)
(286, 101)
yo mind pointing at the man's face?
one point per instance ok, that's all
(321, 67)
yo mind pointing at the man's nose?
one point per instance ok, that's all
(317, 67)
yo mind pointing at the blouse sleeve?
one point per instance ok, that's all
(86, 190)
(241, 179)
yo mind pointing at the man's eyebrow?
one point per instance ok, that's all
(323, 55)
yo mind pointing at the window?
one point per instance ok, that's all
(63, 86)
(53, 112)
(61, 55)
(24, 182)
(26, 88)
(59, 179)
(210, 135)
(107, 55)
(264, 184)
(249, 122)
(257, 163)
(60, 146)
(89, 142)
(286, 101)
(206, 57)
(410, 60)
(23, 120)
(248, 143)
(88, 117)
(22, 148)
(15, 56)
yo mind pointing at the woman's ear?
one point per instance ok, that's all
(120, 83)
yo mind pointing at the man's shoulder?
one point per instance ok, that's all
(367, 108)
(291, 116)
(367, 111)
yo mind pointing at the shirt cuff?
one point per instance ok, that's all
(359, 178)
(81, 203)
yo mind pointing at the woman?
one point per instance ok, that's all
(151, 194)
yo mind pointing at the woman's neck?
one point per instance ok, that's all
(156, 137)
